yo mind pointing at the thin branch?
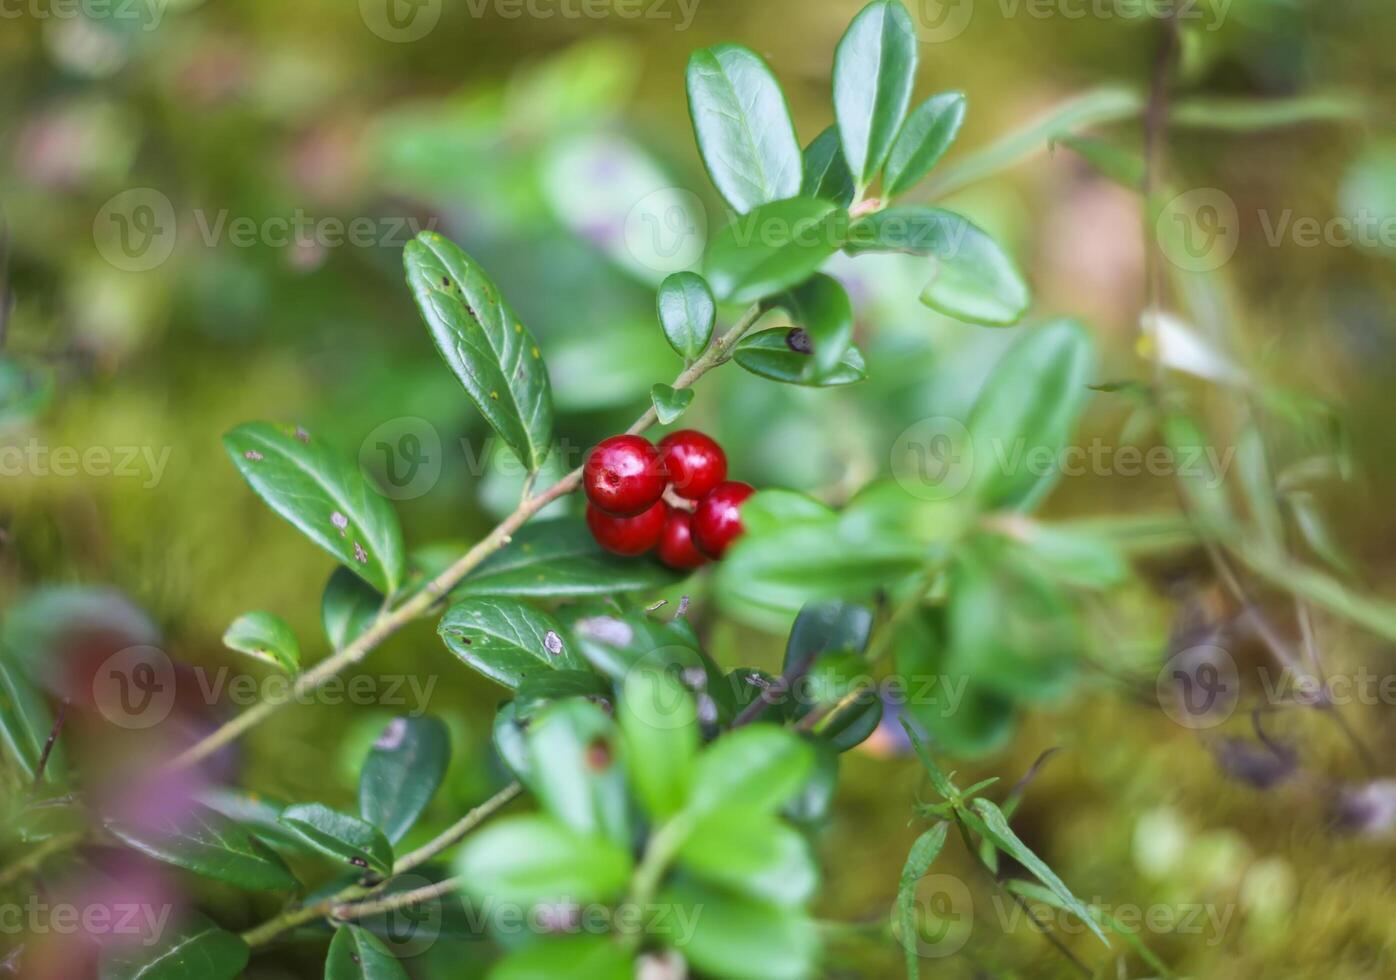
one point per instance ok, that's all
(415, 897)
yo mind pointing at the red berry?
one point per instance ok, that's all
(676, 543)
(694, 461)
(627, 535)
(717, 521)
(624, 475)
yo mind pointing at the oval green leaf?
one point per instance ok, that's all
(505, 639)
(659, 721)
(756, 856)
(338, 835)
(576, 771)
(974, 279)
(493, 356)
(267, 637)
(347, 608)
(197, 949)
(742, 126)
(821, 308)
(738, 937)
(1028, 408)
(209, 844)
(670, 402)
(774, 247)
(591, 957)
(687, 313)
(324, 495)
(923, 140)
(754, 768)
(826, 172)
(778, 355)
(403, 771)
(532, 860)
(874, 71)
(357, 954)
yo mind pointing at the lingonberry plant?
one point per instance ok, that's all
(674, 801)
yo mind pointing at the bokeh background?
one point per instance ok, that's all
(171, 178)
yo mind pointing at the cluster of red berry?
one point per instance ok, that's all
(629, 511)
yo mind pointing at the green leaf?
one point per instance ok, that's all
(560, 559)
(580, 957)
(826, 171)
(1075, 556)
(782, 355)
(25, 724)
(541, 689)
(973, 278)
(1124, 167)
(1376, 615)
(659, 723)
(267, 637)
(939, 781)
(755, 855)
(874, 71)
(687, 312)
(743, 126)
(836, 676)
(993, 825)
(923, 140)
(507, 735)
(740, 938)
(1028, 410)
(827, 626)
(756, 768)
(810, 807)
(532, 860)
(493, 356)
(576, 770)
(348, 607)
(338, 835)
(323, 495)
(773, 248)
(357, 954)
(257, 813)
(918, 861)
(196, 950)
(822, 309)
(506, 639)
(670, 402)
(403, 771)
(209, 844)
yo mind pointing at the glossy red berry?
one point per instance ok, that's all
(624, 475)
(676, 548)
(695, 463)
(717, 521)
(627, 535)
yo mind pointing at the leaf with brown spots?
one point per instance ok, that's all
(495, 359)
